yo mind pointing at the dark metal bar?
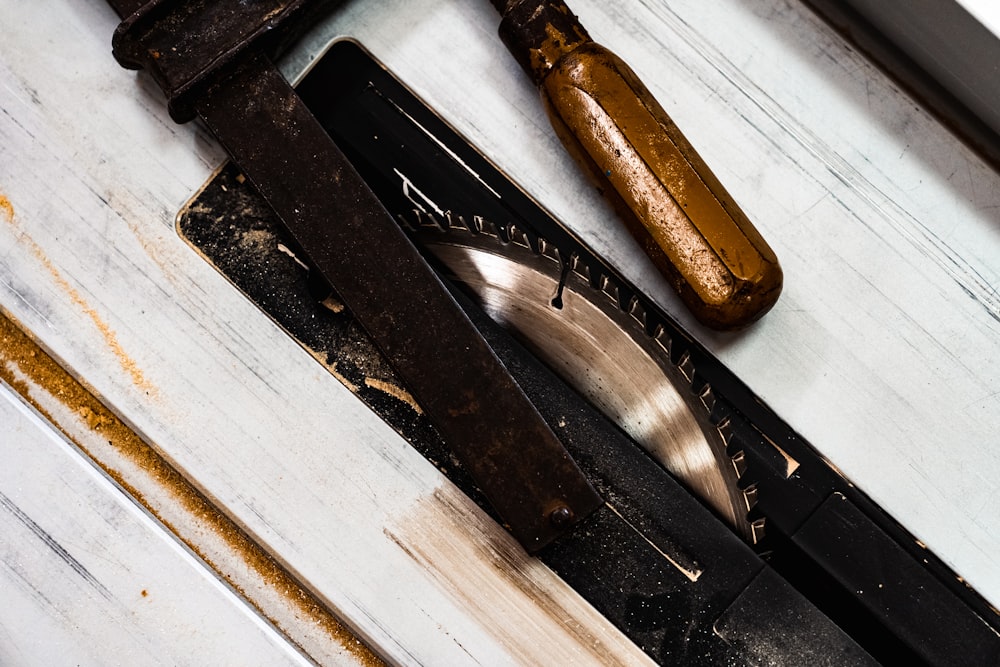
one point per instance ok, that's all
(186, 45)
(125, 8)
(211, 59)
(454, 375)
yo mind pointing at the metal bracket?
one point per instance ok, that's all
(212, 59)
(186, 45)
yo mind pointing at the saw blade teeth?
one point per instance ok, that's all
(580, 268)
(640, 320)
(686, 366)
(520, 237)
(757, 525)
(610, 289)
(422, 220)
(458, 223)
(433, 220)
(750, 496)
(725, 428)
(739, 460)
(487, 228)
(503, 232)
(637, 312)
(406, 223)
(707, 397)
(549, 251)
(663, 340)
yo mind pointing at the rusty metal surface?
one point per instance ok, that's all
(496, 432)
(669, 199)
(186, 45)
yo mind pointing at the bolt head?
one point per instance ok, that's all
(561, 516)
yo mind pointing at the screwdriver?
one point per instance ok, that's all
(719, 264)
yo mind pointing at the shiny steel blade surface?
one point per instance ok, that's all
(604, 352)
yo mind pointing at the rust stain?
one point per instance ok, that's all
(7, 208)
(29, 370)
(127, 363)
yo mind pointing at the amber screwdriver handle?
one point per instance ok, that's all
(698, 237)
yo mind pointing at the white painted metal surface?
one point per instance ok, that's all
(93, 173)
(957, 42)
(883, 351)
(88, 578)
(986, 11)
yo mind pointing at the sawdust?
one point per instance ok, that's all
(332, 304)
(94, 420)
(321, 357)
(395, 391)
(31, 372)
(258, 239)
(127, 363)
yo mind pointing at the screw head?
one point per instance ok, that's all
(561, 516)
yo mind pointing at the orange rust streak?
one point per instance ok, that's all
(7, 208)
(127, 363)
(20, 357)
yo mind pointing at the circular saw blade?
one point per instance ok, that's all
(602, 350)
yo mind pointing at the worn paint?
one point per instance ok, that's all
(452, 541)
(149, 478)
